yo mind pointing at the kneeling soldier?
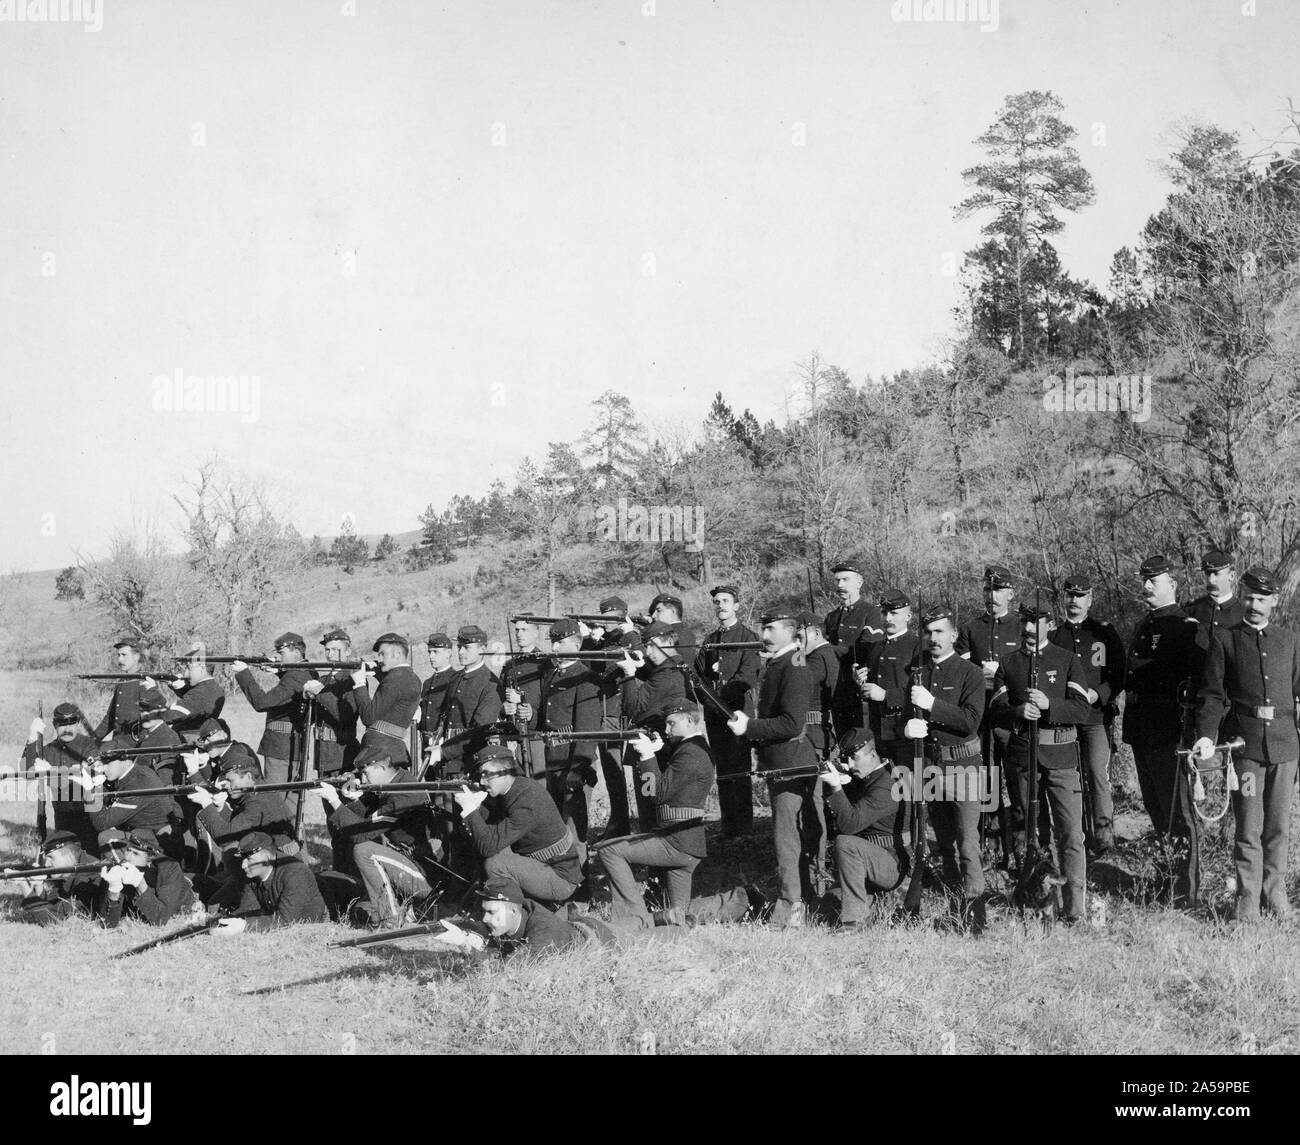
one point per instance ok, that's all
(144, 883)
(678, 790)
(283, 885)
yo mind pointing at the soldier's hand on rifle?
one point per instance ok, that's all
(238, 666)
(330, 794)
(313, 687)
(148, 682)
(177, 683)
(433, 750)
(513, 696)
(647, 746)
(524, 712)
(1029, 712)
(36, 730)
(1203, 748)
(112, 877)
(915, 729)
(923, 698)
(585, 630)
(1039, 699)
(132, 876)
(738, 723)
(834, 778)
(86, 781)
(628, 665)
(459, 939)
(468, 801)
(193, 761)
(1092, 696)
(227, 926)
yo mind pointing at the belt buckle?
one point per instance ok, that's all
(1264, 712)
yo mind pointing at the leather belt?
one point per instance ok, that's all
(384, 728)
(325, 732)
(676, 814)
(284, 726)
(1051, 736)
(1255, 711)
(889, 842)
(560, 847)
(813, 719)
(951, 753)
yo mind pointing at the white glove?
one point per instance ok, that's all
(87, 782)
(230, 926)
(647, 747)
(36, 730)
(313, 688)
(132, 876)
(524, 711)
(916, 729)
(178, 683)
(238, 666)
(459, 939)
(1203, 748)
(113, 879)
(923, 698)
(41, 765)
(469, 801)
(738, 723)
(193, 761)
(202, 796)
(329, 794)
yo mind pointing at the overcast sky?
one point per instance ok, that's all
(434, 232)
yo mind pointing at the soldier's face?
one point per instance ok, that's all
(940, 637)
(1033, 633)
(1077, 605)
(567, 644)
(196, 669)
(1259, 607)
(470, 653)
(128, 659)
(864, 761)
(336, 650)
(237, 782)
(724, 606)
(679, 725)
(526, 636)
(897, 620)
(1159, 590)
(258, 865)
(377, 773)
(439, 658)
(777, 635)
(114, 769)
(848, 586)
(289, 653)
(68, 855)
(1222, 582)
(665, 613)
(997, 600)
(66, 732)
(501, 918)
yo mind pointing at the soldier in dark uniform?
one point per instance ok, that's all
(951, 696)
(53, 899)
(820, 659)
(433, 692)
(883, 678)
(142, 883)
(618, 633)
(649, 686)
(518, 832)
(387, 831)
(282, 741)
(63, 756)
(123, 715)
(1165, 658)
(679, 789)
(198, 697)
(472, 702)
(151, 817)
(521, 697)
(851, 627)
(390, 712)
(283, 886)
(985, 642)
(666, 609)
(1048, 708)
(871, 826)
(1220, 607)
(335, 714)
(734, 676)
(1250, 688)
(154, 732)
(778, 732)
(1101, 652)
(220, 753)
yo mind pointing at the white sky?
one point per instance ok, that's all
(515, 272)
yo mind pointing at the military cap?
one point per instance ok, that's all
(127, 642)
(893, 599)
(1033, 612)
(937, 612)
(57, 839)
(335, 634)
(1259, 579)
(1077, 586)
(612, 604)
(238, 761)
(151, 699)
(562, 629)
(66, 714)
(772, 616)
(198, 648)
(137, 841)
(667, 598)
(734, 590)
(854, 739)
(214, 727)
(1215, 560)
(680, 707)
(809, 620)
(1154, 566)
(491, 752)
(658, 630)
(502, 890)
(998, 576)
(438, 640)
(471, 634)
(373, 755)
(391, 638)
(290, 640)
(255, 841)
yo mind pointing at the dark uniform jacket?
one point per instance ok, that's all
(167, 763)
(989, 638)
(824, 667)
(1211, 616)
(472, 700)
(544, 932)
(526, 820)
(1165, 650)
(123, 713)
(256, 811)
(1250, 668)
(1101, 654)
(737, 672)
(70, 812)
(679, 789)
(784, 697)
(888, 663)
(395, 818)
(390, 712)
(1060, 679)
(571, 701)
(151, 813)
(959, 696)
(646, 694)
(337, 744)
(53, 902)
(288, 895)
(852, 630)
(165, 892)
(216, 766)
(194, 703)
(283, 707)
(869, 807)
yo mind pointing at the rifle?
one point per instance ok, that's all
(802, 771)
(187, 788)
(609, 654)
(598, 735)
(529, 618)
(121, 676)
(391, 935)
(916, 883)
(269, 664)
(1032, 811)
(51, 872)
(736, 645)
(42, 790)
(306, 762)
(105, 753)
(812, 602)
(210, 923)
(595, 619)
(443, 785)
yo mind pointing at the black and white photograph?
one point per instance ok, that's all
(651, 528)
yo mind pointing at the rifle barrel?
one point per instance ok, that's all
(51, 872)
(190, 931)
(390, 935)
(187, 788)
(120, 676)
(423, 785)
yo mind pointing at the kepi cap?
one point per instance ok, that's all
(256, 841)
(612, 604)
(1258, 579)
(893, 599)
(1215, 560)
(669, 599)
(998, 576)
(438, 640)
(732, 589)
(335, 634)
(471, 634)
(66, 714)
(290, 640)
(391, 638)
(56, 839)
(1154, 566)
(1077, 586)
(563, 629)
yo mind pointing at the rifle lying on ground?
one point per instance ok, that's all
(208, 924)
(51, 872)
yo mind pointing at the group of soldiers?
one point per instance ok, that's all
(861, 722)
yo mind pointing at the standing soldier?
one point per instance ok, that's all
(1220, 607)
(198, 697)
(521, 695)
(618, 633)
(1048, 708)
(337, 745)
(570, 701)
(472, 701)
(666, 609)
(1101, 652)
(777, 731)
(63, 757)
(951, 693)
(883, 678)
(821, 661)
(433, 693)
(649, 686)
(390, 712)
(733, 675)
(1250, 688)
(123, 715)
(1164, 662)
(851, 628)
